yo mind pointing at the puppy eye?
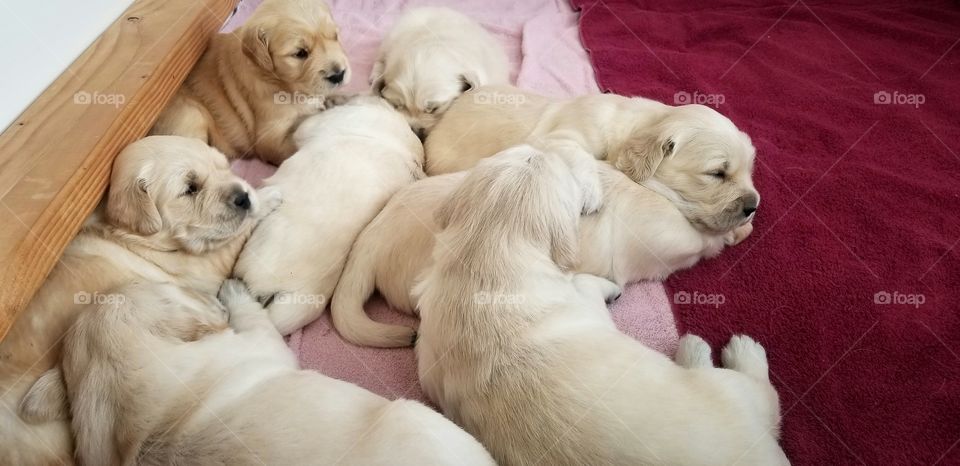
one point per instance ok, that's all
(719, 174)
(302, 54)
(430, 110)
(192, 188)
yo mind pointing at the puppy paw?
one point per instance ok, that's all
(738, 234)
(693, 352)
(234, 293)
(744, 354)
(335, 100)
(271, 198)
(593, 285)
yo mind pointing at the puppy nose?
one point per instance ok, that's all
(241, 200)
(336, 77)
(750, 204)
(421, 133)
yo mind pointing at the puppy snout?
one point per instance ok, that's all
(240, 199)
(750, 203)
(336, 75)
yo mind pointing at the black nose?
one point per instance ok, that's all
(241, 200)
(750, 203)
(337, 76)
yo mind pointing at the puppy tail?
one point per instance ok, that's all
(356, 285)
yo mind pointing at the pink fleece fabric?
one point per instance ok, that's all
(543, 43)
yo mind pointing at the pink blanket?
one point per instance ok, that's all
(542, 40)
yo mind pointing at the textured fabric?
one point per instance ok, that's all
(850, 279)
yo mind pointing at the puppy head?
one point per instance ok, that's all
(181, 189)
(700, 160)
(424, 87)
(520, 194)
(296, 46)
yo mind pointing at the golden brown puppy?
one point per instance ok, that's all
(690, 154)
(174, 213)
(253, 86)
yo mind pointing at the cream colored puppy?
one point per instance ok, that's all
(690, 153)
(637, 235)
(431, 56)
(173, 213)
(253, 86)
(352, 158)
(160, 379)
(524, 355)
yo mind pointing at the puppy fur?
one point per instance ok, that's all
(161, 379)
(690, 153)
(253, 86)
(536, 369)
(431, 56)
(352, 159)
(637, 235)
(147, 229)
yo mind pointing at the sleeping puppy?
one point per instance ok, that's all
(253, 86)
(637, 235)
(352, 158)
(524, 355)
(690, 154)
(173, 213)
(431, 56)
(161, 378)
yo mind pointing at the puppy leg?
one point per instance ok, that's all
(745, 355)
(582, 165)
(246, 314)
(693, 352)
(738, 234)
(593, 287)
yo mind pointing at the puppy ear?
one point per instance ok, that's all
(46, 400)
(444, 213)
(565, 244)
(640, 155)
(256, 46)
(130, 205)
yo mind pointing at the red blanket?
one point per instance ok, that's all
(851, 277)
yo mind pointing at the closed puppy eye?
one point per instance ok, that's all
(719, 174)
(302, 54)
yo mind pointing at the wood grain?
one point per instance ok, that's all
(55, 158)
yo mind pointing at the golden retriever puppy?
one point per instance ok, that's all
(352, 158)
(637, 235)
(690, 153)
(431, 56)
(173, 213)
(253, 86)
(163, 379)
(524, 355)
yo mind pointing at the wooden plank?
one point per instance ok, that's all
(55, 158)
